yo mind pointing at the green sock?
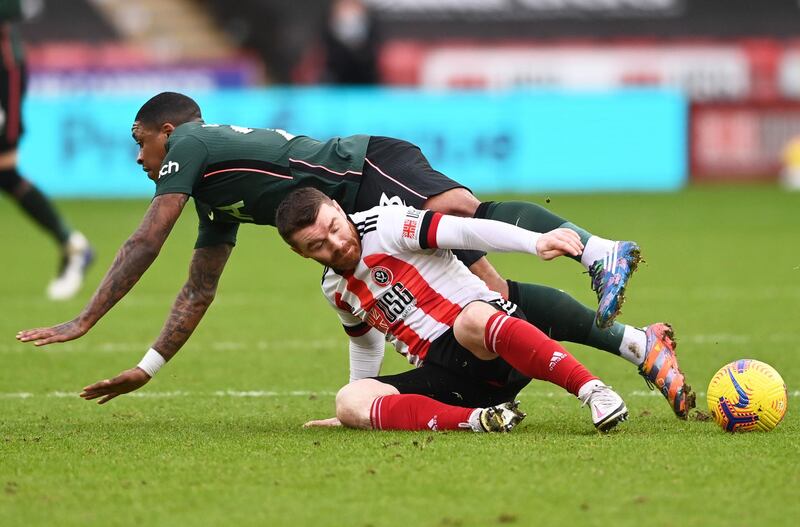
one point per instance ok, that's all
(563, 318)
(42, 211)
(529, 216)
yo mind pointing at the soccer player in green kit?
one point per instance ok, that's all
(240, 175)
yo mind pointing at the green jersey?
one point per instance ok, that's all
(240, 175)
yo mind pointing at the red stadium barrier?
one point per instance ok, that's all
(741, 141)
(761, 69)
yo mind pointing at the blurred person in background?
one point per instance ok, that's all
(790, 172)
(76, 254)
(350, 42)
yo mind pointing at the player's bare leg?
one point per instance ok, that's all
(610, 263)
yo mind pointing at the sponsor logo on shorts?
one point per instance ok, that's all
(506, 305)
(386, 200)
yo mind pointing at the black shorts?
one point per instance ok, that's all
(453, 375)
(13, 82)
(396, 172)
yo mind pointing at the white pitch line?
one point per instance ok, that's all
(340, 343)
(293, 393)
(126, 347)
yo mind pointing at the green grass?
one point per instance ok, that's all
(191, 449)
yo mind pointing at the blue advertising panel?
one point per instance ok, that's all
(491, 142)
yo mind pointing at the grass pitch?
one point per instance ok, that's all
(216, 437)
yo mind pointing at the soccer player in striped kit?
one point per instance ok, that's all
(390, 273)
(239, 175)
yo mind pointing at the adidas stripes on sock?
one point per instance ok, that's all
(533, 353)
(417, 412)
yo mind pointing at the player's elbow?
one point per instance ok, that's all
(143, 246)
(199, 295)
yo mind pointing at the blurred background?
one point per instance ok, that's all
(502, 95)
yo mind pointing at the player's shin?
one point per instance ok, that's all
(417, 412)
(533, 353)
(565, 319)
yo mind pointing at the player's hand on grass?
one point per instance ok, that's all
(331, 421)
(127, 381)
(60, 333)
(558, 242)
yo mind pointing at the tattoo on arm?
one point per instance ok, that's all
(193, 299)
(135, 255)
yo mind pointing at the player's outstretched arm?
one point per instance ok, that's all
(187, 311)
(451, 232)
(132, 260)
(126, 381)
(194, 298)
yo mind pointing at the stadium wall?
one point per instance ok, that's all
(514, 141)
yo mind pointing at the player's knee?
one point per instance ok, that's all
(354, 401)
(352, 406)
(470, 326)
(474, 316)
(457, 201)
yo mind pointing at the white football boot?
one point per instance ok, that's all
(608, 408)
(500, 418)
(78, 256)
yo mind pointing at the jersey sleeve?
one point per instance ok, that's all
(366, 355)
(352, 325)
(409, 229)
(406, 228)
(210, 233)
(183, 167)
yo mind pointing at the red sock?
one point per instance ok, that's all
(533, 353)
(416, 412)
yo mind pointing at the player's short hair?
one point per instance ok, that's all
(168, 107)
(298, 210)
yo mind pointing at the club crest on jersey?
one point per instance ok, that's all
(381, 276)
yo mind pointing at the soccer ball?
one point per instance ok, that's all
(747, 395)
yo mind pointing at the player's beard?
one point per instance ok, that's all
(346, 259)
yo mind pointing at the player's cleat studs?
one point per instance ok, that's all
(610, 277)
(501, 418)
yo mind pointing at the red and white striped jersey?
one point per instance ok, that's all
(404, 285)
